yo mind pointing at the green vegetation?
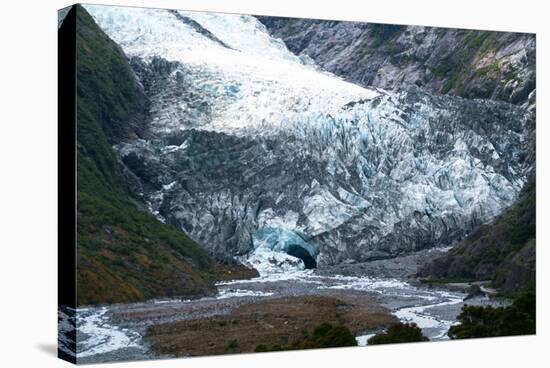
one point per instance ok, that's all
(516, 319)
(261, 348)
(324, 336)
(397, 333)
(459, 71)
(124, 254)
(232, 346)
(382, 33)
(502, 251)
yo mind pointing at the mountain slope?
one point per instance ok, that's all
(124, 253)
(251, 149)
(503, 250)
(467, 63)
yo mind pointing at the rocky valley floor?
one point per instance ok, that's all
(272, 309)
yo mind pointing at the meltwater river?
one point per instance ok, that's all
(107, 333)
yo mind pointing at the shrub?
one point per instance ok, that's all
(327, 336)
(516, 319)
(399, 332)
(324, 336)
(232, 345)
(261, 348)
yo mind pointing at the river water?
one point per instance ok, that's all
(114, 333)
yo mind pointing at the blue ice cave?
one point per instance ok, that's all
(288, 241)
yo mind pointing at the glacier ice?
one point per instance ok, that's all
(251, 150)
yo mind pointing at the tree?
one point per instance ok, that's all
(516, 319)
(399, 332)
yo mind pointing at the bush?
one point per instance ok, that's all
(399, 332)
(324, 336)
(327, 336)
(261, 348)
(232, 345)
(517, 319)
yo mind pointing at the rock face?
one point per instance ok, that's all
(252, 147)
(467, 63)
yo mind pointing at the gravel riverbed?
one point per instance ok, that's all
(115, 332)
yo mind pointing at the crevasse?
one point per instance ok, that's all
(248, 142)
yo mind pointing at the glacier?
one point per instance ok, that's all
(254, 151)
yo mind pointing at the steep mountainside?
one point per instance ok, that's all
(467, 63)
(251, 149)
(503, 250)
(124, 253)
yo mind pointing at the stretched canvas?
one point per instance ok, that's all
(237, 184)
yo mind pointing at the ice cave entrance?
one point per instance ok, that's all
(289, 242)
(299, 252)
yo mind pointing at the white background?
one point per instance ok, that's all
(28, 182)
